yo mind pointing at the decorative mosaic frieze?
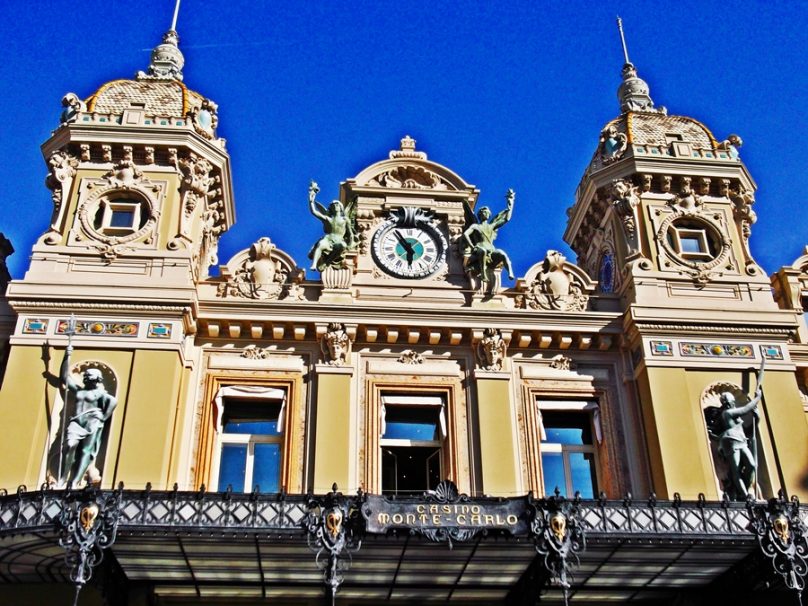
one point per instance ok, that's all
(661, 348)
(35, 326)
(772, 352)
(159, 330)
(100, 328)
(716, 350)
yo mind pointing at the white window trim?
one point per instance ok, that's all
(571, 405)
(110, 207)
(247, 392)
(412, 401)
(244, 392)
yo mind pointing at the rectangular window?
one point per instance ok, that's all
(119, 217)
(250, 440)
(568, 451)
(691, 243)
(413, 430)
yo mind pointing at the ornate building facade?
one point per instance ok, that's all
(205, 431)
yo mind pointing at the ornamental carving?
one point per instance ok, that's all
(491, 350)
(745, 217)
(262, 272)
(253, 352)
(336, 345)
(555, 284)
(197, 184)
(686, 212)
(73, 106)
(613, 144)
(409, 176)
(561, 362)
(408, 356)
(62, 167)
(625, 200)
(205, 118)
(124, 184)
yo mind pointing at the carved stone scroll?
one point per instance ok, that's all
(262, 272)
(555, 284)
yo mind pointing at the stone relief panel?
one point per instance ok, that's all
(62, 167)
(554, 284)
(118, 212)
(491, 350)
(336, 345)
(262, 272)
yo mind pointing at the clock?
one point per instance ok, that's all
(409, 249)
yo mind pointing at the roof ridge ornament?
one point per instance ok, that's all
(633, 93)
(166, 58)
(407, 150)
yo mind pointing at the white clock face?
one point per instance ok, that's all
(409, 252)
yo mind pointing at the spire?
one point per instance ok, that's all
(166, 58)
(633, 94)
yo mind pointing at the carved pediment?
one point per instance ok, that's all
(555, 284)
(262, 272)
(410, 177)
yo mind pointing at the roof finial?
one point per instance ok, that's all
(619, 28)
(166, 58)
(177, 12)
(633, 93)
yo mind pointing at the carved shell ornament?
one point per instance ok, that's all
(409, 177)
(554, 287)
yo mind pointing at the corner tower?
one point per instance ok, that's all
(141, 189)
(662, 219)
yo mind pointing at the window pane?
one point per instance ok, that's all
(552, 465)
(267, 467)
(122, 218)
(691, 244)
(411, 423)
(567, 427)
(584, 480)
(409, 470)
(257, 418)
(262, 428)
(232, 465)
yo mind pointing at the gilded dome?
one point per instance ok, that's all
(170, 98)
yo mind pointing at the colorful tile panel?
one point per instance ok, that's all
(159, 330)
(661, 348)
(716, 350)
(101, 329)
(772, 352)
(35, 326)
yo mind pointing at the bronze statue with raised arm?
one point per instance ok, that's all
(85, 428)
(480, 256)
(340, 235)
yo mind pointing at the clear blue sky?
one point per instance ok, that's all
(507, 94)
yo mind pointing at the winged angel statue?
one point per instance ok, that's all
(340, 233)
(480, 256)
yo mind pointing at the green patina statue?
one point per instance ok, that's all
(480, 256)
(82, 436)
(340, 233)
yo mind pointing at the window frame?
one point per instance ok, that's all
(410, 401)
(589, 409)
(456, 463)
(224, 438)
(110, 206)
(205, 452)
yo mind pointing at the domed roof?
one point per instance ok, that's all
(658, 129)
(158, 94)
(157, 97)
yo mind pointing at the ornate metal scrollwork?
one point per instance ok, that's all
(87, 526)
(781, 535)
(559, 536)
(334, 528)
(446, 493)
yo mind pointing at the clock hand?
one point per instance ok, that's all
(406, 245)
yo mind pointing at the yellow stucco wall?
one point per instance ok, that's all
(27, 401)
(332, 451)
(677, 439)
(144, 453)
(498, 447)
